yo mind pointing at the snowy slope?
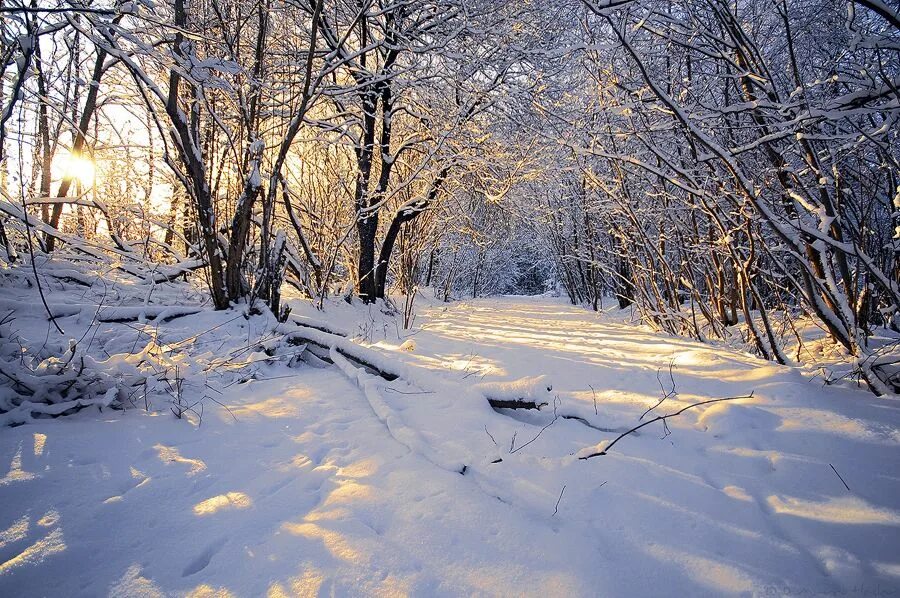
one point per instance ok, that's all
(317, 482)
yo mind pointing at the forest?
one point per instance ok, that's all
(356, 297)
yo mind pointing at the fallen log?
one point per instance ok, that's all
(515, 404)
(305, 323)
(321, 351)
(154, 313)
(320, 342)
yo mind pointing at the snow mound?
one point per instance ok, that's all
(536, 388)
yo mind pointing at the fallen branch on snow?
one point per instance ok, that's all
(661, 418)
(320, 343)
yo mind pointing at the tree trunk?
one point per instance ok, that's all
(190, 155)
(403, 215)
(367, 228)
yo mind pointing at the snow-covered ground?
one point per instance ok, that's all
(313, 482)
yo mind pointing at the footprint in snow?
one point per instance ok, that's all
(202, 561)
(277, 486)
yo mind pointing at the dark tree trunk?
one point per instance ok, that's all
(367, 222)
(430, 267)
(403, 215)
(624, 285)
(189, 153)
(366, 228)
(44, 134)
(240, 229)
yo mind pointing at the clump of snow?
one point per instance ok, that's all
(597, 449)
(536, 388)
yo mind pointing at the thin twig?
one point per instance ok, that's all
(667, 394)
(556, 508)
(538, 435)
(839, 477)
(491, 436)
(405, 392)
(660, 418)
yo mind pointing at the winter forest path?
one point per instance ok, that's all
(306, 490)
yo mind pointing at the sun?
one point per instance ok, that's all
(81, 169)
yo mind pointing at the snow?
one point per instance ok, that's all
(330, 480)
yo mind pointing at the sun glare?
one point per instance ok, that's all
(81, 169)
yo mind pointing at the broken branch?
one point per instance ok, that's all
(661, 418)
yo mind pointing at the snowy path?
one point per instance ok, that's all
(308, 492)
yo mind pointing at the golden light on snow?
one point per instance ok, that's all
(81, 169)
(16, 473)
(15, 532)
(303, 586)
(849, 510)
(39, 441)
(360, 469)
(136, 474)
(170, 454)
(228, 501)
(51, 544)
(49, 519)
(718, 576)
(348, 492)
(205, 590)
(737, 493)
(133, 583)
(276, 407)
(298, 461)
(338, 545)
